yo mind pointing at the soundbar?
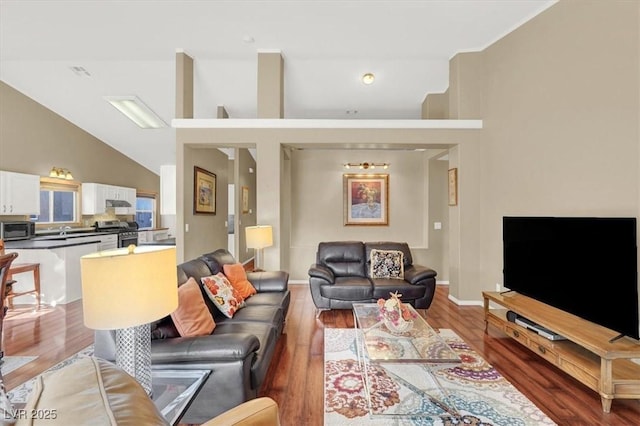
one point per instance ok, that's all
(530, 325)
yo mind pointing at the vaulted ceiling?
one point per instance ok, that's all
(69, 55)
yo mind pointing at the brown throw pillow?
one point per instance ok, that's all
(192, 318)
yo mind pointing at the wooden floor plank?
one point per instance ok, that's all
(296, 376)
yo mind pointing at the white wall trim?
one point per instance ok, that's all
(298, 282)
(279, 123)
(442, 282)
(466, 302)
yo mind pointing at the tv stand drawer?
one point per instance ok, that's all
(544, 351)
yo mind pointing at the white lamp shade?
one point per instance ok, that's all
(121, 290)
(259, 236)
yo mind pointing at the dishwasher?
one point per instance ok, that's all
(108, 242)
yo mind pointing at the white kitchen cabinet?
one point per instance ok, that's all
(144, 237)
(131, 196)
(95, 195)
(19, 193)
(93, 198)
(160, 234)
(168, 189)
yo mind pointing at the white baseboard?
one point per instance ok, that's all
(465, 302)
(442, 282)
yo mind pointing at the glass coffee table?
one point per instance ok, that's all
(174, 390)
(398, 368)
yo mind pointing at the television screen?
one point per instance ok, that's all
(585, 266)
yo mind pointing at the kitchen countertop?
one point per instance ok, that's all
(45, 244)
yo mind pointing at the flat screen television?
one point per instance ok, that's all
(583, 265)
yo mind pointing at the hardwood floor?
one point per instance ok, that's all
(295, 379)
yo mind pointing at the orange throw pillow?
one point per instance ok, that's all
(192, 318)
(237, 276)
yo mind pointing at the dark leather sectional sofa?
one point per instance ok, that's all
(341, 276)
(238, 352)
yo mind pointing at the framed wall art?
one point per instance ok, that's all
(245, 199)
(366, 199)
(453, 187)
(204, 191)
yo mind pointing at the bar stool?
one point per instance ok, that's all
(17, 268)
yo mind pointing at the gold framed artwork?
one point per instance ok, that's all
(366, 199)
(453, 187)
(204, 191)
(245, 199)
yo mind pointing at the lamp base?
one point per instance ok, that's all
(133, 353)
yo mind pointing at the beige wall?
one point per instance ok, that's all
(33, 139)
(560, 106)
(207, 232)
(559, 100)
(247, 179)
(317, 212)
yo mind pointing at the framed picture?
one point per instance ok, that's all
(366, 199)
(453, 187)
(204, 191)
(245, 199)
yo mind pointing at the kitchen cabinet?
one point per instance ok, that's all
(160, 234)
(145, 236)
(19, 194)
(95, 195)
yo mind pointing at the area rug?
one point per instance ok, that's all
(12, 363)
(482, 396)
(20, 393)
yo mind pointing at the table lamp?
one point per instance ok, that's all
(124, 290)
(258, 237)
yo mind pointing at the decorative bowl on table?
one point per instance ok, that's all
(395, 315)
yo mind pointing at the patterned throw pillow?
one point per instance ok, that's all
(387, 264)
(222, 294)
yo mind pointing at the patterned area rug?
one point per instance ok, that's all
(11, 363)
(19, 394)
(482, 396)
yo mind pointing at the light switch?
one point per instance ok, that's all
(437, 225)
(186, 227)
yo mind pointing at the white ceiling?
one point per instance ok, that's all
(128, 48)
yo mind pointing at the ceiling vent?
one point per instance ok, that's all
(80, 71)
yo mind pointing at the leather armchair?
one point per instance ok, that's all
(341, 276)
(92, 391)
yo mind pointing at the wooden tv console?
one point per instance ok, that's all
(587, 354)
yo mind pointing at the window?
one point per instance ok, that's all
(58, 202)
(146, 210)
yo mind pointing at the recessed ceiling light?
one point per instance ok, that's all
(368, 78)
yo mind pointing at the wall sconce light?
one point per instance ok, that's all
(60, 173)
(366, 165)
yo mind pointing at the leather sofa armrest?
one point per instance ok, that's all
(416, 273)
(259, 411)
(320, 271)
(223, 347)
(269, 280)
